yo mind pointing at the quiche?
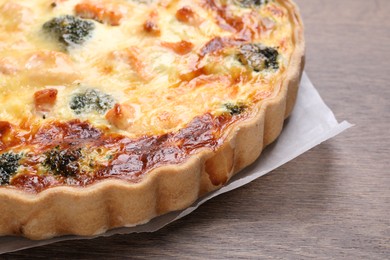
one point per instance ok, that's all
(114, 112)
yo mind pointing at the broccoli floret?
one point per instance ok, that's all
(235, 109)
(91, 100)
(69, 29)
(63, 162)
(9, 163)
(251, 3)
(258, 57)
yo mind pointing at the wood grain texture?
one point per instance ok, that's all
(332, 202)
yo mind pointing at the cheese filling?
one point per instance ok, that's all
(161, 90)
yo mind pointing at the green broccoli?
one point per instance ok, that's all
(69, 30)
(258, 57)
(91, 100)
(63, 162)
(235, 109)
(9, 163)
(251, 3)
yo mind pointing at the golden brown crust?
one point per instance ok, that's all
(115, 203)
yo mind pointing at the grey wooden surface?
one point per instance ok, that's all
(333, 202)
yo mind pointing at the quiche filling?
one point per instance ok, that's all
(97, 89)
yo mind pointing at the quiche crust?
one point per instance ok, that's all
(112, 203)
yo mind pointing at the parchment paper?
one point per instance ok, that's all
(310, 124)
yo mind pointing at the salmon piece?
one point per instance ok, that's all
(106, 13)
(185, 14)
(45, 99)
(50, 68)
(181, 48)
(133, 58)
(15, 17)
(151, 24)
(121, 116)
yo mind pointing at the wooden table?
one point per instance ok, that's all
(331, 202)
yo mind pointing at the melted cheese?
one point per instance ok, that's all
(161, 90)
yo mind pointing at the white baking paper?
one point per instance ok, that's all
(310, 124)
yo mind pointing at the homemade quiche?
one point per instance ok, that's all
(117, 111)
